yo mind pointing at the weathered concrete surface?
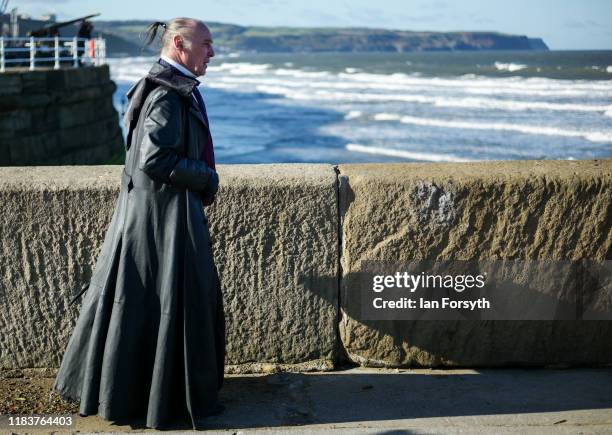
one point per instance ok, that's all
(275, 237)
(275, 230)
(377, 401)
(498, 210)
(63, 116)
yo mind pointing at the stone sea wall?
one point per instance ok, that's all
(57, 117)
(521, 210)
(289, 240)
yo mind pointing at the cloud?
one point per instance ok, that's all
(423, 18)
(45, 2)
(380, 18)
(479, 19)
(257, 3)
(439, 4)
(582, 24)
(368, 17)
(318, 18)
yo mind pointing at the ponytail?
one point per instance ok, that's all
(175, 26)
(152, 32)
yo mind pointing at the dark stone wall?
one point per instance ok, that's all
(58, 117)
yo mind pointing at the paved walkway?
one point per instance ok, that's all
(381, 401)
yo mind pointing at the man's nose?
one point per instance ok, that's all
(211, 52)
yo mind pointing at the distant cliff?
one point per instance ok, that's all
(125, 37)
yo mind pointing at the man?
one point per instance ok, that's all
(84, 32)
(150, 338)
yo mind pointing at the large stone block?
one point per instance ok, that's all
(102, 90)
(5, 154)
(81, 113)
(72, 104)
(39, 96)
(11, 122)
(42, 119)
(34, 82)
(25, 101)
(75, 78)
(10, 84)
(52, 222)
(89, 135)
(275, 237)
(276, 246)
(35, 149)
(499, 210)
(93, 155)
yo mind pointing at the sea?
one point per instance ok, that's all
(402, 107)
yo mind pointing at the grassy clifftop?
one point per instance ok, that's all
(127, 36)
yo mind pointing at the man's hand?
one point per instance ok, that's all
(208, 200)
(212, 186)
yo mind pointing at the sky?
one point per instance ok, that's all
(563, 24)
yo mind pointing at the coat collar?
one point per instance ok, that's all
(170, 77)
(159, 75)
(166, 60)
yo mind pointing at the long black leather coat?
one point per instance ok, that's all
(149, 340)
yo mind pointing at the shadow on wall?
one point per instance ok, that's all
(413, 223)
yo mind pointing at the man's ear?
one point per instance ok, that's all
(177, 41)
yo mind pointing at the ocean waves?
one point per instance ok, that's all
(440, 101)
(394, 82)
(405, 154)
(473, 87)
(593, 136)
(511, 67)
(372, 115)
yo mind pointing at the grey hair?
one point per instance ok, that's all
(177, 26)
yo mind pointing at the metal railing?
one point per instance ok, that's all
(40, 52)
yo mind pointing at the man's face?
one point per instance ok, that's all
(196, 55)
